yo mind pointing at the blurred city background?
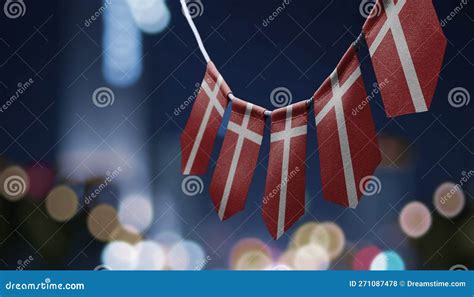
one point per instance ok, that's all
(94, 96)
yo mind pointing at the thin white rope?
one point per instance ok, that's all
(195, 31)
(206, 55)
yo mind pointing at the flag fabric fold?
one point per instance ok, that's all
(238, 158)
(347, 141)
(198, 137)
(284, 200)
(407, 46)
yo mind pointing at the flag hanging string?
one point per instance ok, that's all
(195, 31)
(198, 38)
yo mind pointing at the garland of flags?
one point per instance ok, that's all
(406, 54)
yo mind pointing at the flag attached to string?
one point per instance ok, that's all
(406, 58)
(347, 141)
(284, 200)
(238, 158)
(406, 45)
(197, 138)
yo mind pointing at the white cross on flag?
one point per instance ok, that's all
(284, 200)
(347, 142)
(407, 45)
(197, 139)
(238, 158)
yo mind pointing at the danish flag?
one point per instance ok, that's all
(238, 158)
(407, 47)
(197, 139)
(284, 200)
(347, 142)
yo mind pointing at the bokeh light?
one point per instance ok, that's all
(253, 260)
(336, 239)
(102, 221)
(62, 203)
(150, 256)
(395, 151)
(178, 257)
(415, 219)
(364, 257)
(136, 211)
(247, 245)
(126, 234)
(449, 199)
(280, 267)
(196, 255)
(304, 234)
(287, 258)
(122, 41)
(14, 183)
(151, 16)
(119, 255)
(311, 257)
(387, 260)
(41, 180)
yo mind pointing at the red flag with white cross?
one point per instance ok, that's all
(347, 141)
(199, 135)
(238, 158)
(407, 46)
(284, 201)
